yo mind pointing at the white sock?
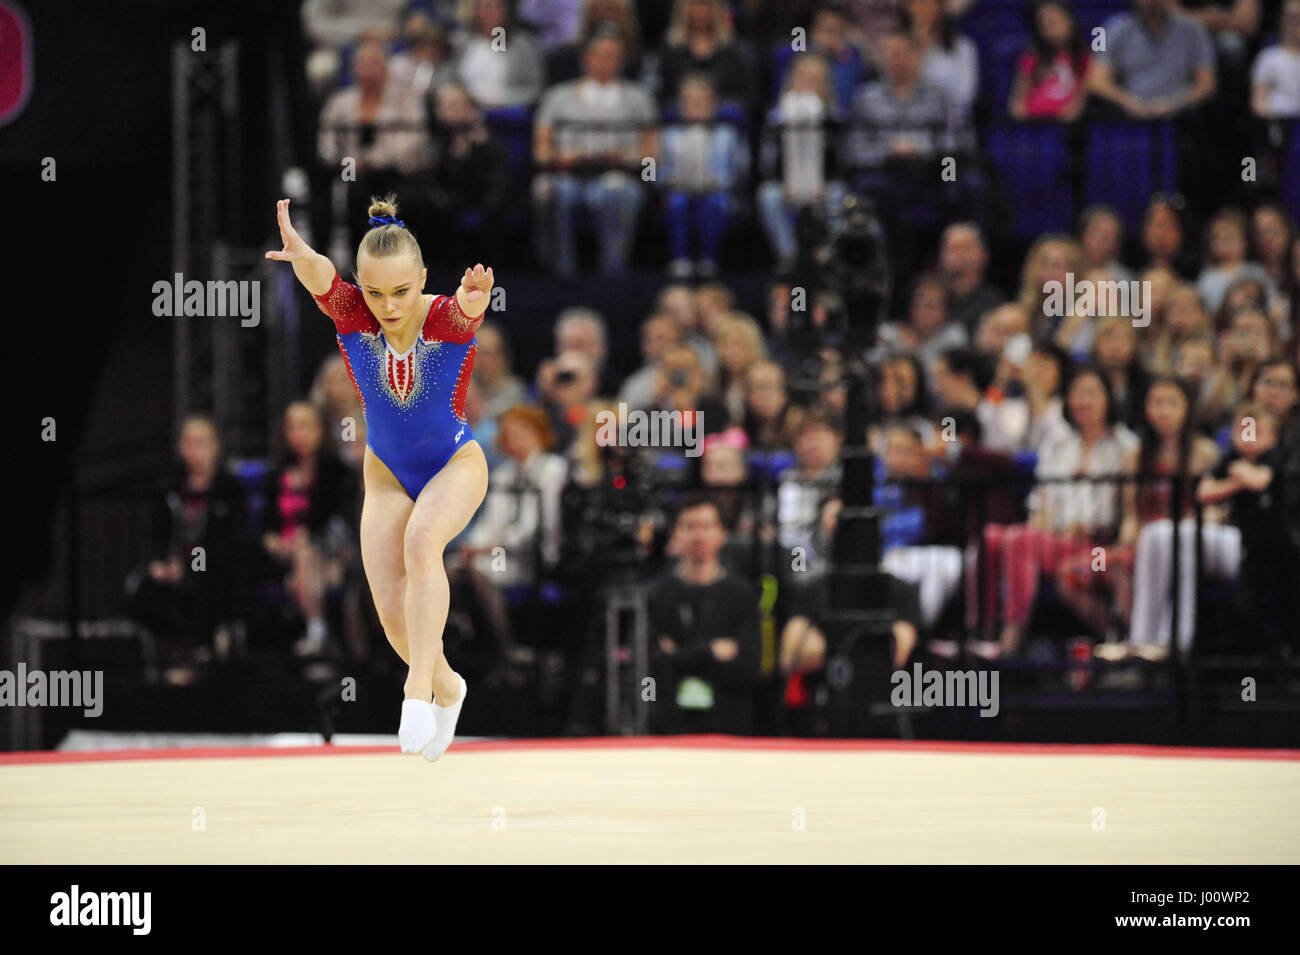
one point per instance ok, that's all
(315, 629)
(447, 717)
(419, 726)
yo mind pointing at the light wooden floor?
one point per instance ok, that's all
(654, 805)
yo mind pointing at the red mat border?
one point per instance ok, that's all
(782, 744)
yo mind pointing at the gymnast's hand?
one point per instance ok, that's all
(294, 246)
(473, 292)
(314, 270)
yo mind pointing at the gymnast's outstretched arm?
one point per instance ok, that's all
(314, 270)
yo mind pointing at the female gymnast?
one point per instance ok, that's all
(410, 356)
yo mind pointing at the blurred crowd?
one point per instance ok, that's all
(566, 117)
(1122, 470)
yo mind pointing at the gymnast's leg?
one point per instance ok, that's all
(442, 510)
(384, 515)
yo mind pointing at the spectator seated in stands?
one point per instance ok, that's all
(681, 388)
(703, 164)
(677, 299)
(982, 486)
(963, 260)
(1245, 345)
(345, 428)
(380, 127)
(515, 542)
(1101, 238)
(740, 345)
(1158, 62)
(309, 523)
(564, 387)
(1276, 385)
(1164, 235)
(554, 22)
(501, 63)
(564, 61)
(700, 39)
(802, 492)
(901, 398)
(993, 338)
(798, 158)
(1226, 247)
(192, 594)
(521, 515)
(962, 382)
(704, 635)
(1052, 75)
(770, 419)
(804, 645)
(426, 60)
(468, 185)
(1233, 26)
(582, 329)
(1139, 571)
(1185, 321)
(906, 551)
(501, 387)
(334, 394)
(1275, 76)
(1043, 381)
(1048, 264)
(591, 136)
(949, 60)
(1114, 351)
(724, 472)
(1194, 364)
(828, 36)
(333, 26)
(1247, 482)
(928, 330)
(485, 430)
(901, 123)
(659, 332)
(1066, 518)
(1272, 237)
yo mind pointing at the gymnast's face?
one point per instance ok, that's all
(393, 286)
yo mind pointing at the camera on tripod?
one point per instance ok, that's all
(842, 256)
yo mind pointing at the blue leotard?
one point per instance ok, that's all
(414, 404)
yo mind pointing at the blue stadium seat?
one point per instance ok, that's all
(512, 126)
(781, 55)
(769, 465)
(1094, 13)
(999, 31)
(251, 473)
(1126, 162)
(1033, 163)
(998, 69)
(669, 461)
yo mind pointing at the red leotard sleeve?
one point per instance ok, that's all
(345, 304)
(447, 323)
